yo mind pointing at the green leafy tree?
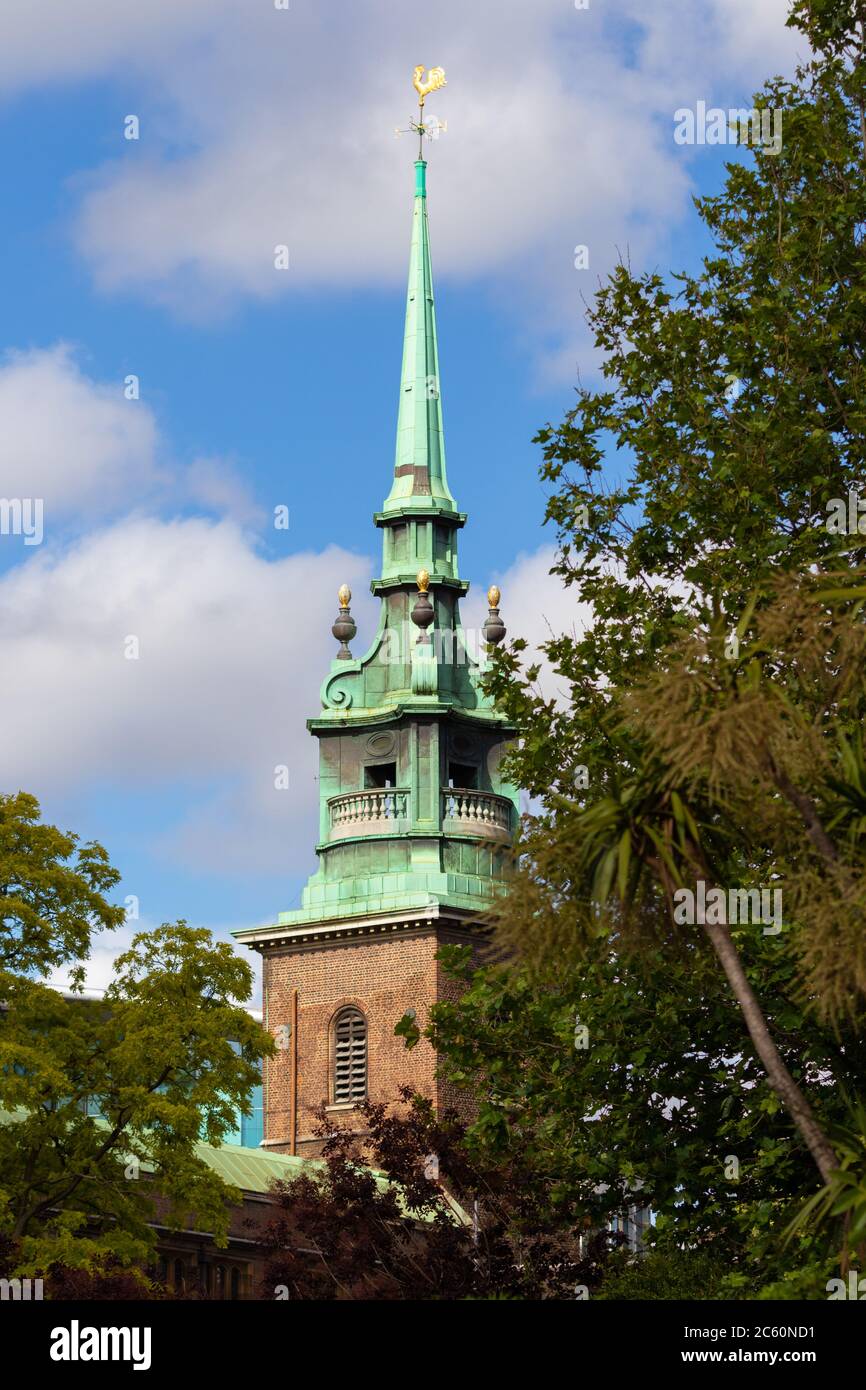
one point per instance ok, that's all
(51, 892)
(103, 1102)
(619, 1079)
(719, 733)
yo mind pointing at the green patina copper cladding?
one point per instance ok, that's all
(420, 519)
(415, 813)
(419, 467)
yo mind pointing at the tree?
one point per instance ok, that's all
(102, 1102)
(444, 1224)
(51, 892)
(618, 1078)
(701, 565)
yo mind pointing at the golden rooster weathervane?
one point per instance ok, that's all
(435, 79)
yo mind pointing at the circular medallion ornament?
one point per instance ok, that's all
(380, 745)
(463, 745)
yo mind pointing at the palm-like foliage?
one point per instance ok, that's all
(644, 827)
(848, 812)
(844, 1196)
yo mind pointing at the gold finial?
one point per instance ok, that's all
(435, 80)
(493, 596)
(423, 581)
(344, 595)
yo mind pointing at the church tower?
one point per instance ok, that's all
(415, 818)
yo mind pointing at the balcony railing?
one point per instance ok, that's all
(368, 812)
(476, 813)
(385, 811)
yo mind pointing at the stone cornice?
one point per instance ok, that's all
(408, 580)
(420, 514)
(341, 718)
(325, 934)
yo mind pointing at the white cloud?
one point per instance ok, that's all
(233, 648)
(76, 443)
(53, 40)
(536, 606)
(756, 36)
(57, 41)
(215, 485)
(89, 452)
(532, 160)
(712, 43)
(263, 127)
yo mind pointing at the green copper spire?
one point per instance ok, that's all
(416, 810)
(419, 469)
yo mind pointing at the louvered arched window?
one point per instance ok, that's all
(350, 1058)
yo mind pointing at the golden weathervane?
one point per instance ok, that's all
(434, 80)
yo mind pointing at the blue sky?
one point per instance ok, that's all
(260, 388)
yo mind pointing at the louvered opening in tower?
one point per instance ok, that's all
(350, 1058)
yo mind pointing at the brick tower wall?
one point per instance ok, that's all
(384, 977)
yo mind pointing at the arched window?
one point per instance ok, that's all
(350, 1057)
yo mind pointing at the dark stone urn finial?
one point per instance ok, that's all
(494, 628)
(344, 628)
(422, 609)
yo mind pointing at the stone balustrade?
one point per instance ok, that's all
(476, 813)
(371, 812)
(380, 811)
